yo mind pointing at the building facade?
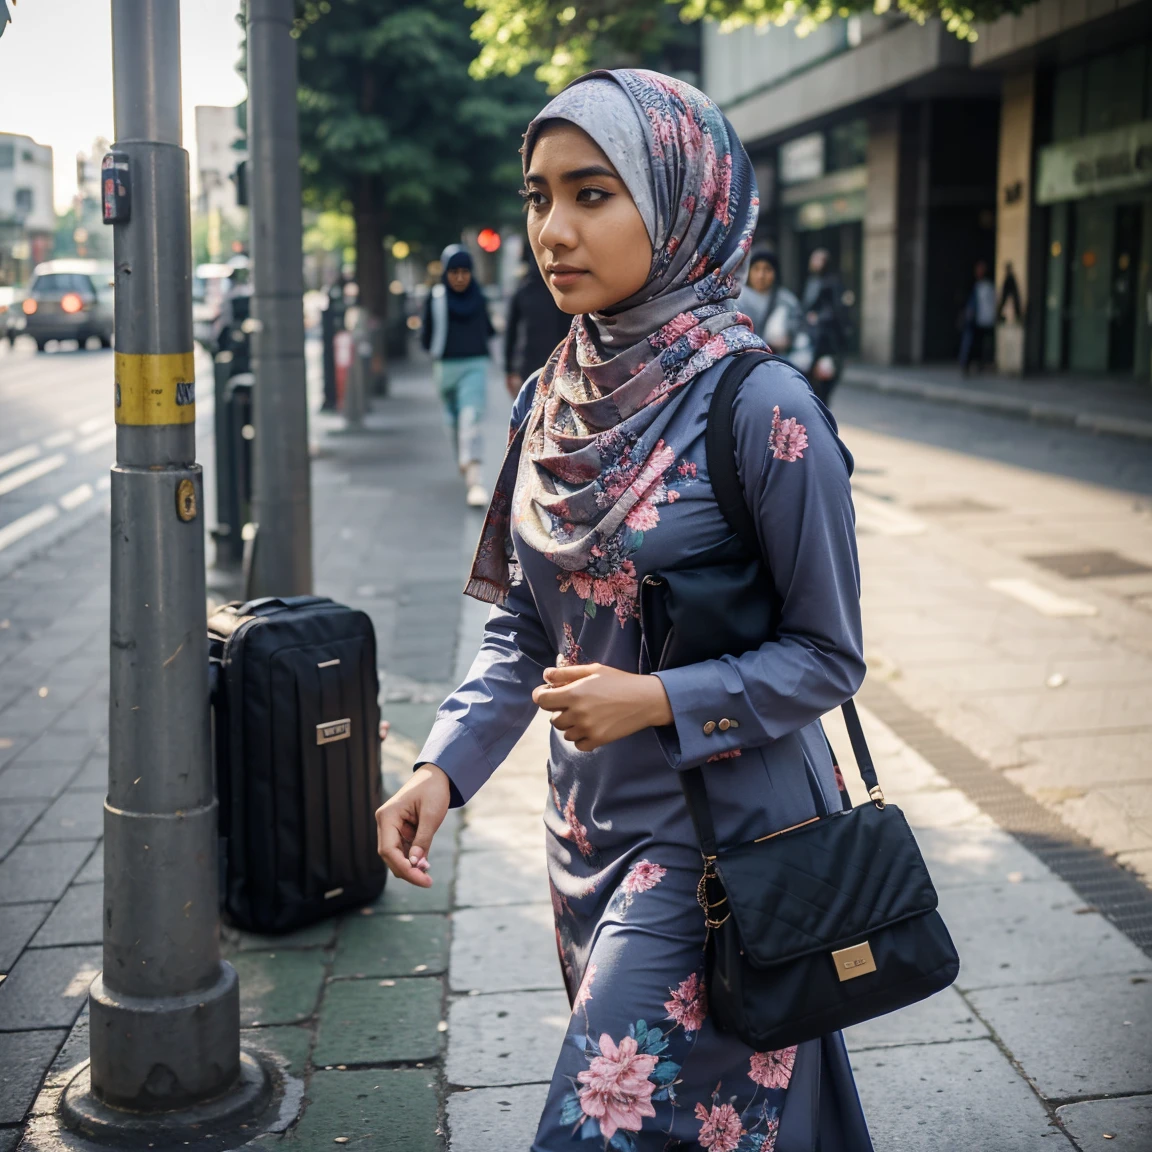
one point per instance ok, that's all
(1074, 186)
(27, 214)
(910, 156)
(875, 139)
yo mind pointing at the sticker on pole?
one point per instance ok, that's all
(155, 388)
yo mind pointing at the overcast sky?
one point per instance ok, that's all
(56, 74)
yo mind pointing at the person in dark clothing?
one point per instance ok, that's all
(456, 331)
(827, 325)
(534, 327)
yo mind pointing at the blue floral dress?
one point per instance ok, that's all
(642, 1067)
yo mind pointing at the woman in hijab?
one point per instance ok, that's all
(456, 331)
(641, 205)
(773, 310)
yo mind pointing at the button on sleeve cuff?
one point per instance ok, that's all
(452, 747)
(708, 716)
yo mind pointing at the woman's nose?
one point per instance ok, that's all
(558, 231)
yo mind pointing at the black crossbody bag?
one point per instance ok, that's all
(816, 927)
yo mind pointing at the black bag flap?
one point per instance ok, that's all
(825, 885)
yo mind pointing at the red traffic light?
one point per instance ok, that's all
(489, 240)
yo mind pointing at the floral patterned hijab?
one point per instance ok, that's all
(589, 455)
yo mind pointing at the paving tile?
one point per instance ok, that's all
(15, 820)
(495, 1119)
(1023, 933)
(10, 1138)
(76, 919)
(522, 831)
(321, 935)
(278, 987)
(1120, 1125)
(290, 1042)
(1085, 1037)
(93, 777)
(914, 1096)
(388, 1108)
(40, 871)
(378, 1022)
(404, 945)
(74, 816)
(47, 987)
(509, 1038)
(502, 876)
(965, 857)
(34, 782)
(944, 1016)
(93, 870)
(24, 1058)
(504, 949)
(18, 924)
(59, 748)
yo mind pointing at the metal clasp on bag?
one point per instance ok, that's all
(854, 961)
(702, 894)
(876, 795)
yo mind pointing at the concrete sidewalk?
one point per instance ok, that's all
(432, 1019)
(1113, 407)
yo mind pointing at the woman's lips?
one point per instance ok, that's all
(563, 277)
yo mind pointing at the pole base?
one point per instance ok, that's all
(202, 1125)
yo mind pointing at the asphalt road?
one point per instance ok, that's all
(58, 442)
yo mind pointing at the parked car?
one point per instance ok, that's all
(69, 300)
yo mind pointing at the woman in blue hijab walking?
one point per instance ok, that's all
(641, 208)
(456, 332)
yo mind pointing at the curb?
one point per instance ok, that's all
(1039, 411)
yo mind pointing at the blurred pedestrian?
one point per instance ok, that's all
(772, 308)
(825, 323)
(456, 331)
(534, 327)
(978, 341)
(641, 201)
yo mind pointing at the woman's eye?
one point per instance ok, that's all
(592, 195)
(531, 198)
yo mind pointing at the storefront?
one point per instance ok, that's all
(822, 180)
(1094, 187)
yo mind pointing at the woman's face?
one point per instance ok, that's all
(459, 278)
(585, 230)
(761, 276)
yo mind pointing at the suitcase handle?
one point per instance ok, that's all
(253, 607)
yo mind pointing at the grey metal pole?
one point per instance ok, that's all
(281, 499)
(165, 1024)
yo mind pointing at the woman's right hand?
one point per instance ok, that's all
(407, 821)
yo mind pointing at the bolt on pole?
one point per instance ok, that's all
(165, 1027)
(281, 494)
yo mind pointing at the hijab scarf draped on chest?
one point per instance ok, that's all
(589, 451)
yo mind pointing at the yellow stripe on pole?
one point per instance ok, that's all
(155, 388)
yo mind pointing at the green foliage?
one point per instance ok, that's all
(387, 103)
(332, 232)
(564, 39)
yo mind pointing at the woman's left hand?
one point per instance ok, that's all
(593, 704)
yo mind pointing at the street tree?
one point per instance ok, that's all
(397, 133)
(563, 39)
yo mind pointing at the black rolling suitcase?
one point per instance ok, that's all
(297, 751)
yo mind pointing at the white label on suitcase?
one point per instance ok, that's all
(333, 730)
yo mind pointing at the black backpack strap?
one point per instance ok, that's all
(720, 452)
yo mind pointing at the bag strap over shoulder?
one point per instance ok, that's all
(720, 451)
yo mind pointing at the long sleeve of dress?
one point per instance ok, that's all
(478, 725)
(794, 472)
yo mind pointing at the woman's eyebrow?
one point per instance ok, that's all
(575, 175)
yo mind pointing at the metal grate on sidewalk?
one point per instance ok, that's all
(1117, 894)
